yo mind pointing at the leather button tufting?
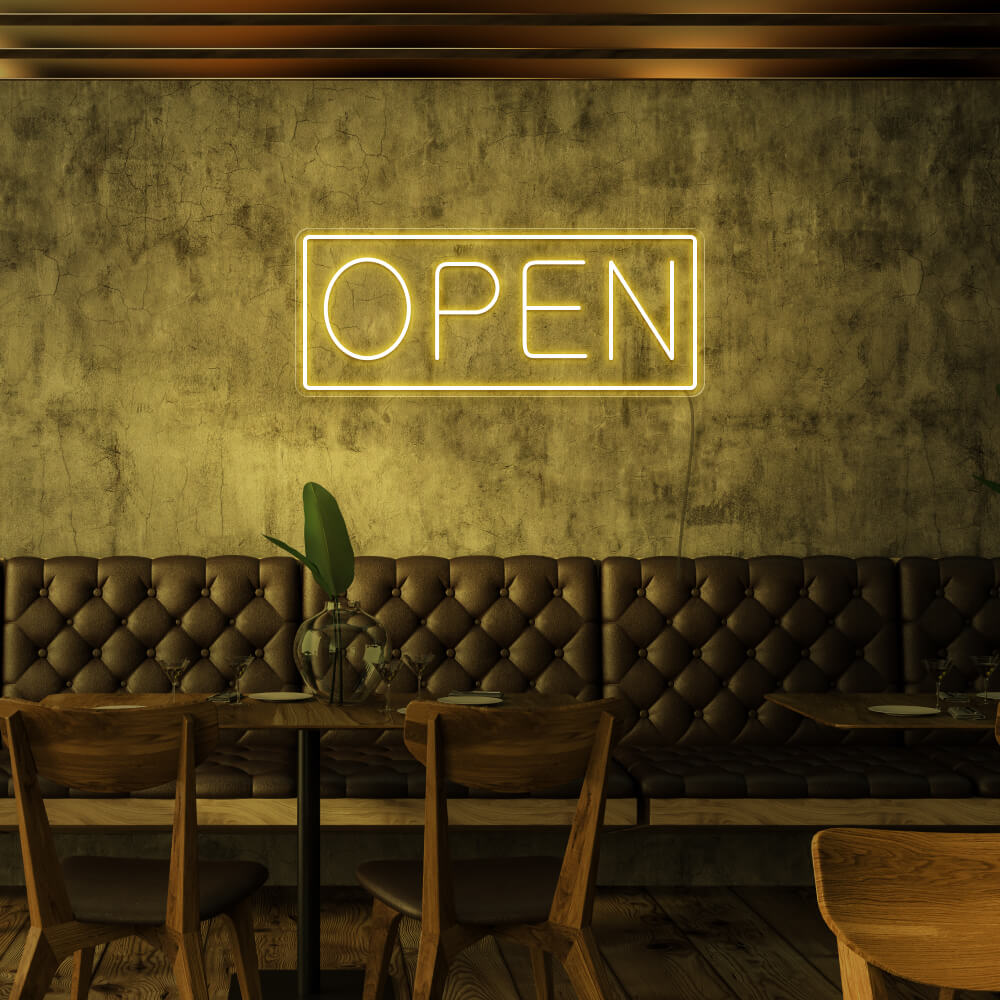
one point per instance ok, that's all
(531, 683)
(859, 653)
(939, 592)
(832, 686)
(643, 713)
(695, 591)
(69, 621)
(232, 621)
(96, 591)
(476, 621)
(697, 713)
(751, 653)
(259, 592)
(505, 652)
(42, 653)
(805, 654)
(748, 592)
(125, 622)
(696, 653)
(642, 653)
(150, 654)
(831, 622)
(670, 684)
(557, 653)
(449, 653)
(395, 591)
(777, 622)
(668, 621)
(803, 592)
(450, 592)
(641, 592)
(968, 622)
(177, 621)
(557, 591)
(43, 592)
(123, 684)
(395, 654)
(151, 592)
(504, 592)
(204, 591)
(477, 684)
(259, 653)
(423, 621)
(69, 684)
(752, 714)
(97, 654)
(204, 654)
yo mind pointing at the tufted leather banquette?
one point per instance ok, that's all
(692, 646)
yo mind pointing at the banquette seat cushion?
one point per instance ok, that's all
(694, 645)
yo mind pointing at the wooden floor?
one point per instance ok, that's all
(660, 944)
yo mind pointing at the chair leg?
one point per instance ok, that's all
(858, 979)
(432, 968)
(541, 968)
(381, 938)
(584, 965)
(35, 970)
(240, 922)
(189, 967)
(946, 994)
(83, 969)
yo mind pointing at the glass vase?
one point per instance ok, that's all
(339, 651)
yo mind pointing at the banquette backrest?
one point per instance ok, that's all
(693, 645)
(99, 625)
(514, 624)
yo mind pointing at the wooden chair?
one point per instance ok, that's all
(82, 902)
(543, 903)
(923, 906)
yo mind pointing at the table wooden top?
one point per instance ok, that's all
(251, 714)
(851, 711)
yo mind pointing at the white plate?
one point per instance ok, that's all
(470, 699)
(113, 708)
(904, 710)
(280, 696)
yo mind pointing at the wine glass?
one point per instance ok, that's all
(174, 672)
(387, 670)
(239, 669)
(418, 663)
(985, 665)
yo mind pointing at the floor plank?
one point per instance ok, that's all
(744, 951)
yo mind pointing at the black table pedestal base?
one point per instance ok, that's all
(282, 984)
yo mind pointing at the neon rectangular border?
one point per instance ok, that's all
(693, 387)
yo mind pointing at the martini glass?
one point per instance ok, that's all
(174, 672)
(985, 666)
(419, 663)
(239, 669)
(387, 670)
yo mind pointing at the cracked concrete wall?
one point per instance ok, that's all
(147, 303)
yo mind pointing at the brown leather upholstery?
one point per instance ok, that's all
(134, 890)
(95, 625)
(749, 771)
(500, 624)
(950, 608)
(372, 772)
(505, 891)
(693, 645)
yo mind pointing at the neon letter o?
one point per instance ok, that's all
(326, 308)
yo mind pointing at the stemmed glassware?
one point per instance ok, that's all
(387, 670)
(174, 672)
(239, 669)
(985, 665)
(418, 663)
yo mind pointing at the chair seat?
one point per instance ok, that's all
(793, 771)
(487, 891)
(134, 890)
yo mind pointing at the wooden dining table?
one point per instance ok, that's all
(310, 719)
(842, 710)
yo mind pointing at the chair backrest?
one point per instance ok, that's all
(923, 906)
(121, 750)
(507, 750)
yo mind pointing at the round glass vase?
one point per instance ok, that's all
(339, 652)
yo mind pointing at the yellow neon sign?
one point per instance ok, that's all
(582, 313)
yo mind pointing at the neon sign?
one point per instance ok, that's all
(540, 313)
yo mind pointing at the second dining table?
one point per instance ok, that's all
(310, 718)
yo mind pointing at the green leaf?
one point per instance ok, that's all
(324, 584)
(328, 544)
(988, 482)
